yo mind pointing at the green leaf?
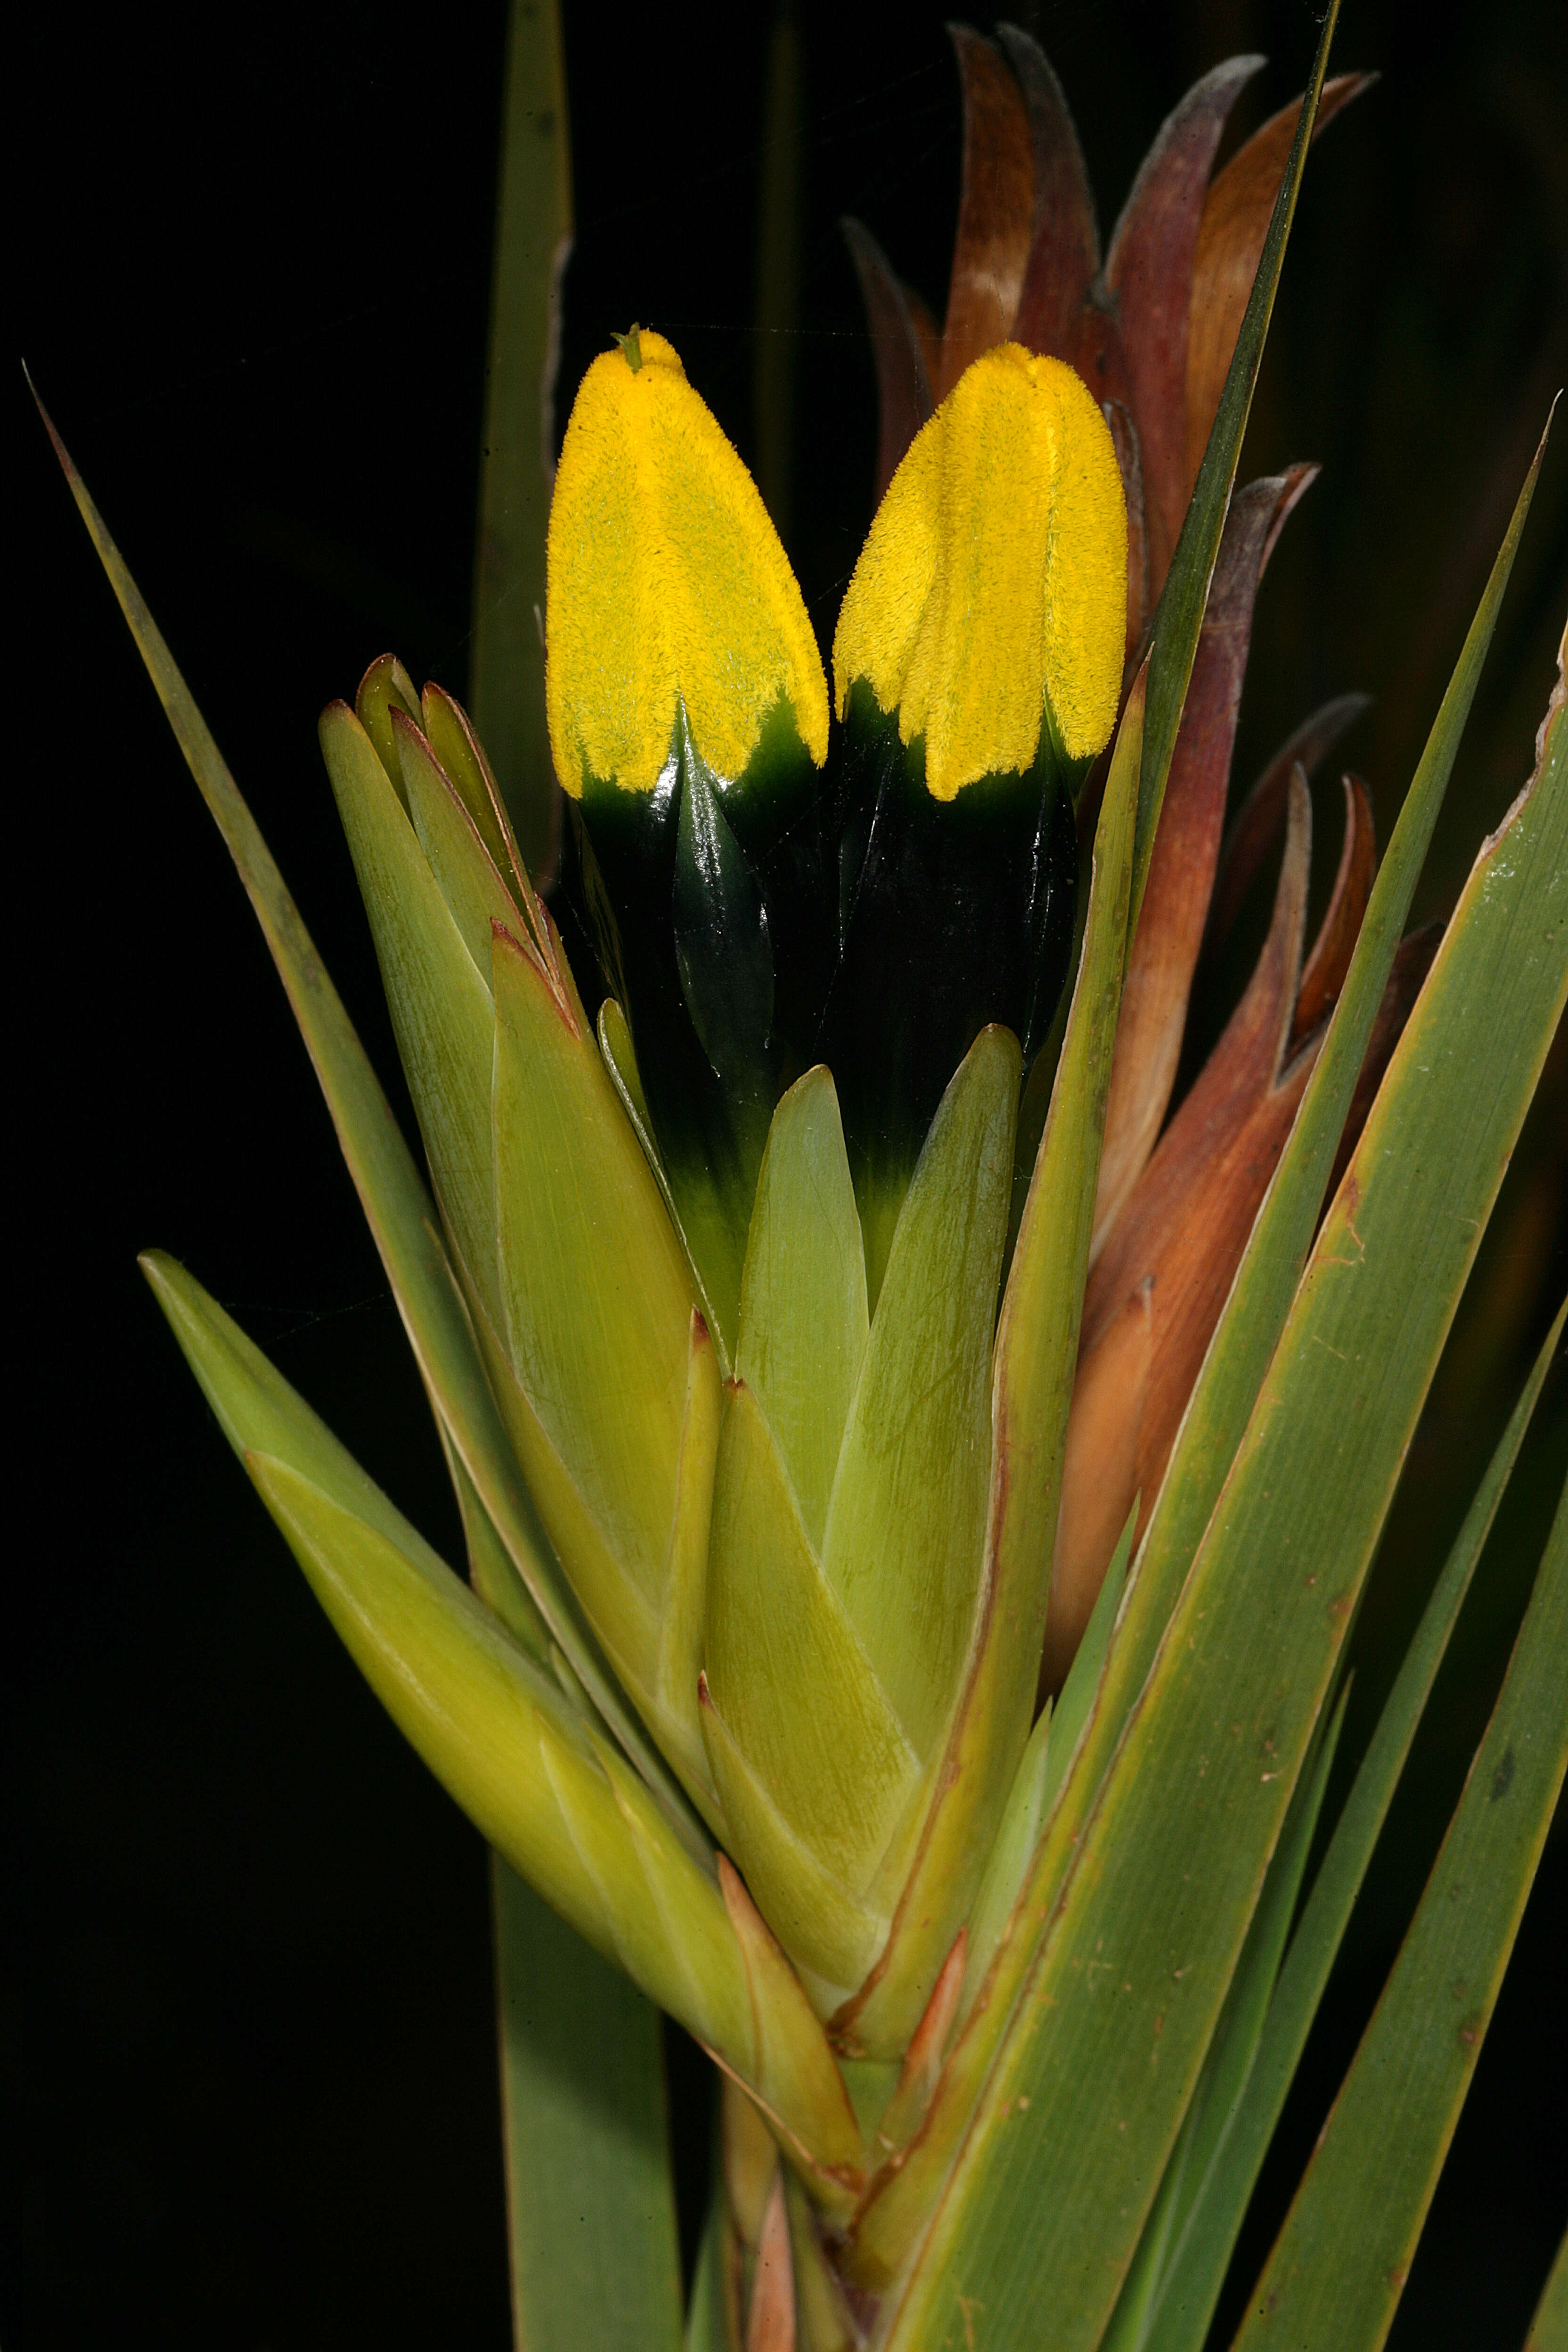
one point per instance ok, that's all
(620, 1059)
(804, 1321)
(440, 1007)
(793, 1689)
(707, 2318)
(1165, 1872)
(496, 1730)
(589, 2191)
(595, 1308)
(1231, 2058)
(1276, 1249)
(1341, 2262)
(1052, 1746)
(1548, 2328)
(396, 1204)
(905, 1541)
(534, 240)
(1179, 620)
(1198, 2266)
(465, 871)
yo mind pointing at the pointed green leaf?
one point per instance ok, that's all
(707, 2315)
(683, 1612)
(803, 1323)
(491, 1570)
(1166, 1870)
(385, 686)
(905, 1539)
(831, 1934)
(1231, 2058)
(1548, 2328)
(1009, 1858)
(1342, 2260)
(440, 1007)
(1282, 1233)
(492, 1726)
(590, 2194)
(1179, 620)
(796, 2082)
(464, 872)
(620, 1059)
(533, 239)
(1197, 2267)
(450, 735)
(1052, 1746)
(789, 1677)
(595, 1302)
(392, 1192)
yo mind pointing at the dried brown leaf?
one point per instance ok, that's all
(995, 209)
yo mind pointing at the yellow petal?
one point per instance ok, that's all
(665, 580)
(995, 577)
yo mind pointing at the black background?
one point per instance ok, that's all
(245, 2044)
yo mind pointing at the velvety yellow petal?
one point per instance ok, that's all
(995, 577)
(666, 580)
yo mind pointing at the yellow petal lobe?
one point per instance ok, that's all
(665, 581)
(994, 576)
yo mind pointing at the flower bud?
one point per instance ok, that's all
(977, 669)
(667, 585)
(687, 713)
(990, 600)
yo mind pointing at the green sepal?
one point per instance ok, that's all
(723, 953)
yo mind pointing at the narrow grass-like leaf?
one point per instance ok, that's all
(396, 1204)
(708, 2315)
(517, 453)
(1548, 2328)
(1180, 617)
(1340, 2264)
(1230, 2060)
(589, 2191)
(1049, 2198)
(1245, 1339)
(1196, 2270)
